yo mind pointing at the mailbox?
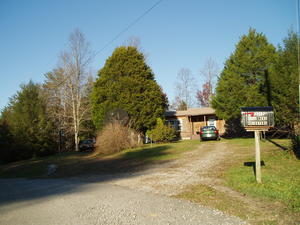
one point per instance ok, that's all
(257, 117)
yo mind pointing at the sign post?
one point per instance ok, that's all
(257, 157)
(257, 119)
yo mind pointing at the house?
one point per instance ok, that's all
(188, 122)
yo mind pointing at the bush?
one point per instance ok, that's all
(161, 132)
(116, 137)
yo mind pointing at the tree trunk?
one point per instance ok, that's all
(76, 141)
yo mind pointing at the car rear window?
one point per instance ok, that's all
(208, 128)
(87, 141)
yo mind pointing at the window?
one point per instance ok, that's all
(176, 124)
(211, 122)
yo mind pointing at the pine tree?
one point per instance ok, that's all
(31, 132)
(126, 82)
(284, 83)
(244, 79)
(6, 138)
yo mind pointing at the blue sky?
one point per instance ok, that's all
(176, 34)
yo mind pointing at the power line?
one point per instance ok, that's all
(128, 27)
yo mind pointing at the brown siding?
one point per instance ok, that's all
(221, 126)
(197, 126)
(185, 127)
(190, 125)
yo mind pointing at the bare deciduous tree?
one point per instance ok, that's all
(209, 73)
(69, 86)
(54, 89)
(204, 95)
(135, 41)
(185, 88)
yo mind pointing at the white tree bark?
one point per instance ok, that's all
(185, 88)
(71, 83)
(210, 72)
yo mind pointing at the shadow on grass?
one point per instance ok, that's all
(278, 145)
(131, 161)
(252, 164)
(148, 154)
(238, 138)
(78, 173)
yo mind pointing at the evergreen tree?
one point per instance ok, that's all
(244, 80)
(30, 131)
(284, 80)
(284, 83)
(6, 138)
(126, 82)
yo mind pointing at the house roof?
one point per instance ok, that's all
(191, 112)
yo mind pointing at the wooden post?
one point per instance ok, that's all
(192, 126)
(257, 157)
(191, 129)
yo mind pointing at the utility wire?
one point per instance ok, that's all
(128, 27)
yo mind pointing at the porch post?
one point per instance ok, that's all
(191, 127)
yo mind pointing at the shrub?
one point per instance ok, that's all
(116, 137)
(161, 132)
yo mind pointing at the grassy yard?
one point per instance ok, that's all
(74, 163)
(275, 201)
(159, 152)
(280, 176)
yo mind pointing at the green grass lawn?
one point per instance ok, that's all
(158, 152)
(37, 167)
(74, 163)
(280, 175)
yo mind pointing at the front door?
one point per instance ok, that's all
(212, 122)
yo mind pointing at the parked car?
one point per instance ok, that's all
(209, 133)
(86, 145)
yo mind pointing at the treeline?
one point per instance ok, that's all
(69, 106)
(25, 127)
(258, 74)
(43, 119)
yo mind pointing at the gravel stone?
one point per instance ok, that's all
(143, 198)
(70, 201)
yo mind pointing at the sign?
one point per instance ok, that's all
(257, 117)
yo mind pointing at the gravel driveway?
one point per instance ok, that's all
(172, 178)
(123, 200)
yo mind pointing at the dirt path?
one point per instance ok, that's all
(172, 178)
